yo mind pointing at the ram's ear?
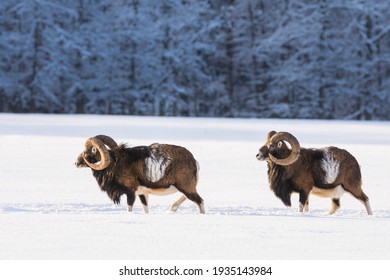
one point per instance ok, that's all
(295, 148)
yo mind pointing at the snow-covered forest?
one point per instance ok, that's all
(233, 58)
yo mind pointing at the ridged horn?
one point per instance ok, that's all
(104, 154)
(270, 134)
(107, 140)
(295, 148)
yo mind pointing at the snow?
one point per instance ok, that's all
(49, 209)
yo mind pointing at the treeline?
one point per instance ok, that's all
(233, 58)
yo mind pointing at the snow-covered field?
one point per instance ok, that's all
(49, 209)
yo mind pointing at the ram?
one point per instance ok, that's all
(326, 172)
(159, 169)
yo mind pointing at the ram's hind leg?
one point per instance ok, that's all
(198, 201)
(193, 196)
(334, 206)
(355, 188)
(190, 192)
(177, 203)
(366, 203)
(362, 197)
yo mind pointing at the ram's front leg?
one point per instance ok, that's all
(130, 200)
(303, 201)
(144, 201)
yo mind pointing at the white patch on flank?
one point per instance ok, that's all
(336, 192)
(330, 165)
(155, 166)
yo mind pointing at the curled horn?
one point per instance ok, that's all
(269, 135)
(105, 155)
(107, 140)
(295, 148)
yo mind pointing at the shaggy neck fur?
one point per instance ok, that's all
(107, 184)
(279, 185)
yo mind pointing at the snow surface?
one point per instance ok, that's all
(49, 209)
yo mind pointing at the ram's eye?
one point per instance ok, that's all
(94, 150)
(280, 144)
(272, 146)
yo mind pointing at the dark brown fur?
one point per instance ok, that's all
(127, 171)
(306, 172)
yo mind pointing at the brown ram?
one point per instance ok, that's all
(159, 169)
(326, 172)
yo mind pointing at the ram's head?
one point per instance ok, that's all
(96, 154)
(277, 151)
